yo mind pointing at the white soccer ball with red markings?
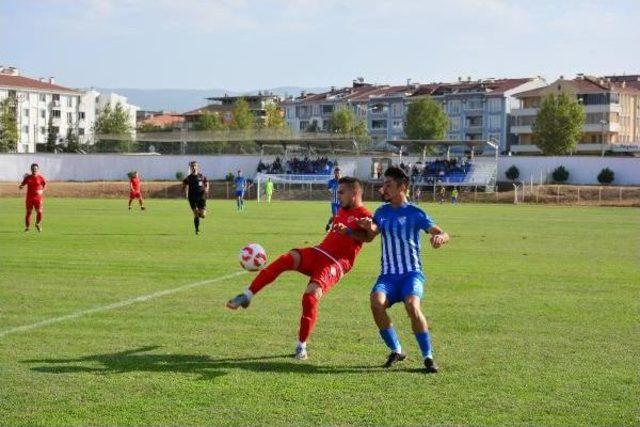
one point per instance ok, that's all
(253, 257)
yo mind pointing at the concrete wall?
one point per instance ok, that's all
(582, 169)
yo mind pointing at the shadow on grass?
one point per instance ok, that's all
(140, 360)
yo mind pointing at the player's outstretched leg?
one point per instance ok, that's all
(141, 203)
(130, 200)
(27, 219)
(285, 262)
(310, 302)
(39, 220)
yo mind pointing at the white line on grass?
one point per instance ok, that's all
(113, 306)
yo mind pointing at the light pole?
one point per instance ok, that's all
(603, 123)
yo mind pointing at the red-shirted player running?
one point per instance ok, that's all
(35, 187)
(134, 189)
(325, 264)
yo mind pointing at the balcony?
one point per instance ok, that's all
(521, 129)
(525, 111)
(603, 108)
(474, 128)
(598, 127)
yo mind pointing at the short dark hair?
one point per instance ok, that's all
(351, 181)
(397, 174)
(34, 164)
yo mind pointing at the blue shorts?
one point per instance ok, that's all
(239, 193)
(397, 287)
(334, 208)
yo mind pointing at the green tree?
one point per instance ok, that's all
(73, 141)
(512, 173)
(558, 125)
(113, 129)
(242, 116)
(606, 176)
(274, 118)
(426, 119)
(8, 126)
(52, 137)
(560, 174)
(343, 121)
(209, 122)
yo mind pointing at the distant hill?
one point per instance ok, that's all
(182, 100)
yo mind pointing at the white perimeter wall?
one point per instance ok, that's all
(96, 167)
(582, 169)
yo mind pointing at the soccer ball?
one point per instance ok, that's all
(252, 257)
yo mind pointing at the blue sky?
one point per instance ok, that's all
(246, 44)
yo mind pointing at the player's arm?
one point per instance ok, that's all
(438, 236)
(358, 235)
(185, 186)
(368, 228)
(24, 182)
(206, 186)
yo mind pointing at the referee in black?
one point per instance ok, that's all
(196, 187)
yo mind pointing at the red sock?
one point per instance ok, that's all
(271, 272)
(38, 217)
(309, 316)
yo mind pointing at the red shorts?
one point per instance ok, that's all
(320, 268)
(34, 203)
(135, 195)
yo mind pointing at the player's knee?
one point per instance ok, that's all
(412, 305)
(203, 214)
(378, 302)
(313, 291)
(295, 256)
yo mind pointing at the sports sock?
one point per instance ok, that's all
(424, 341)
(309, 316)
(390, 338)
(196, 223)
(38, 217)
(283, 263)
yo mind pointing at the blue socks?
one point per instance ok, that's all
(390, 338)
(424, 341)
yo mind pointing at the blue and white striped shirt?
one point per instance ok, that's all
(332, 185)
(400, 231)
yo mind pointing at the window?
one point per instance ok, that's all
(494, 137)
(378, 124)
(495, 105)
(25, 129)
(303, 125)
(474, 104)
(454, 106)
(397, 124)
(56, 97)
(43, 97)
(81, 115)
(69, 118)
(397, 109)
(454, 123)
(43, 130)
(26, 112)
(69, 101)
(43, 114)
(327, 109)
(494, 121)
(55, 114)
(80, 131)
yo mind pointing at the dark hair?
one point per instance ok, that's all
(193, 162)
(397, 174)
(34, 164)
(351, 181)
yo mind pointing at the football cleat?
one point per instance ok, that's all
(238, 301)
(301, 353)
(39, 228)
(394, 357)
(430, 366)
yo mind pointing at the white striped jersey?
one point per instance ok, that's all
(400, 232)
(332, 185)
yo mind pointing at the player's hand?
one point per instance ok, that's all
(365, 223)
(40, 192)
(340, 228)
(438, 240)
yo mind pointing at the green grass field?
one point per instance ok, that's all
(533, 311)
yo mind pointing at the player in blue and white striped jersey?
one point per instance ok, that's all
(332, 186)
(401, 278)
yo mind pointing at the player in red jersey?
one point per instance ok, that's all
(35, 188)
(325, 264)
(134, 189)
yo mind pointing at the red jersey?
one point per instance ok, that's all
(35, 184)
(340, 246)
(135, 184)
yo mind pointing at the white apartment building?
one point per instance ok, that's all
(38, 102)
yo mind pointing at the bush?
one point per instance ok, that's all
(512, 173)
(606, 176)
(179, 175)
(230, 177)
(560, 174)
